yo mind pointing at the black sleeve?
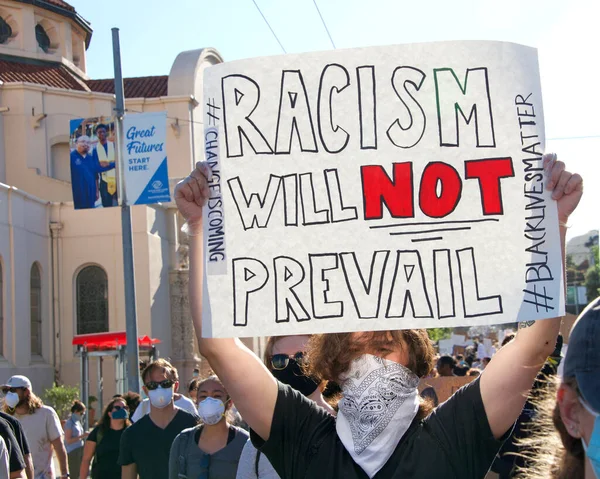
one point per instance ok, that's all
(16, 461)
(125, 449)
(298, 426)
(461, 426)
(93, 435)
(21, 438)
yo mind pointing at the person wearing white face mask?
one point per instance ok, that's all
(145, 446)
(212, 449)
(41, 425)
(564, 442)
(383, 430)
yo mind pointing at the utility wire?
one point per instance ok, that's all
(324, 24)
(268, 25)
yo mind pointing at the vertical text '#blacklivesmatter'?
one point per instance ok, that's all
(538, 271)
(461, 104)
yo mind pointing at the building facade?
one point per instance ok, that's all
(61, 269)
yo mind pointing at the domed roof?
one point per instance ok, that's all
(66, 10)
(57, 3)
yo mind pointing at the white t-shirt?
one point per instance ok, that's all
(4, 472)
(182, 403)
(41, 428)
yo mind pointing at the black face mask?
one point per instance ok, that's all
(292, 376)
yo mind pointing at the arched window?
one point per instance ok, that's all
(35, 307)
(92, 300)
(5, 31)
(61, 164)
(42, 38)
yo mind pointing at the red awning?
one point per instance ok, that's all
(107, 341)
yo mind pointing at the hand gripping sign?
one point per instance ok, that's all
(378, 188)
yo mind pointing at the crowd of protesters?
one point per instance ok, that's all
(343, 405)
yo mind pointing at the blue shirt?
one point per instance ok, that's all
(84, 174)
(76, 430)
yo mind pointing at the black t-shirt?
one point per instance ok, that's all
(15, 458)
(105, 464)
(18, 432)
(454, 442)
(148, 446)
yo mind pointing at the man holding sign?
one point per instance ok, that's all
(458, 439)
(334, 191)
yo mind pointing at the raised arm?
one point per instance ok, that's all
(89, 450)
(507, 380)
(249, 383)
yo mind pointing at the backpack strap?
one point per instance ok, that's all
(256, 461)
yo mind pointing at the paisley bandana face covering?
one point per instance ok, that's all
(379, 404)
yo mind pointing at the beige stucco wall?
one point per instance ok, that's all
(94, 238)
(31, 134)
(38, 118)
(24, 240)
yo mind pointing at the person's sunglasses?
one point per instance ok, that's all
(281, 361)
(166, 384)
(118, 408)
(10, 390)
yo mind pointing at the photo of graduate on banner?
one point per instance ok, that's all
(93, 174)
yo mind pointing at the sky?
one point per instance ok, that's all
(567, 36)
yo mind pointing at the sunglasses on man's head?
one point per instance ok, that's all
(11, 390)
(166, 384)
(281, 361)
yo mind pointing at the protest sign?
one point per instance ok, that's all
(378, 188)
(145, 158)
(93, 159)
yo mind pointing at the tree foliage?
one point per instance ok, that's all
(61, 399)
(592, 277)
(435, 334)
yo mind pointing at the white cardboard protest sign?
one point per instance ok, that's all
(378, 188)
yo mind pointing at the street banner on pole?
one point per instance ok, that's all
(144, 152)
(378, 188)
(92, 160)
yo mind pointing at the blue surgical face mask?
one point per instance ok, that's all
(592, 450)
(120, 414)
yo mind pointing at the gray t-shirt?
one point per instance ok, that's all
(250, 469)
(220, 465)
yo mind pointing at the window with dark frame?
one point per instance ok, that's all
(5, 31)
(35, 305)
(92, 300)
(42, 38)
